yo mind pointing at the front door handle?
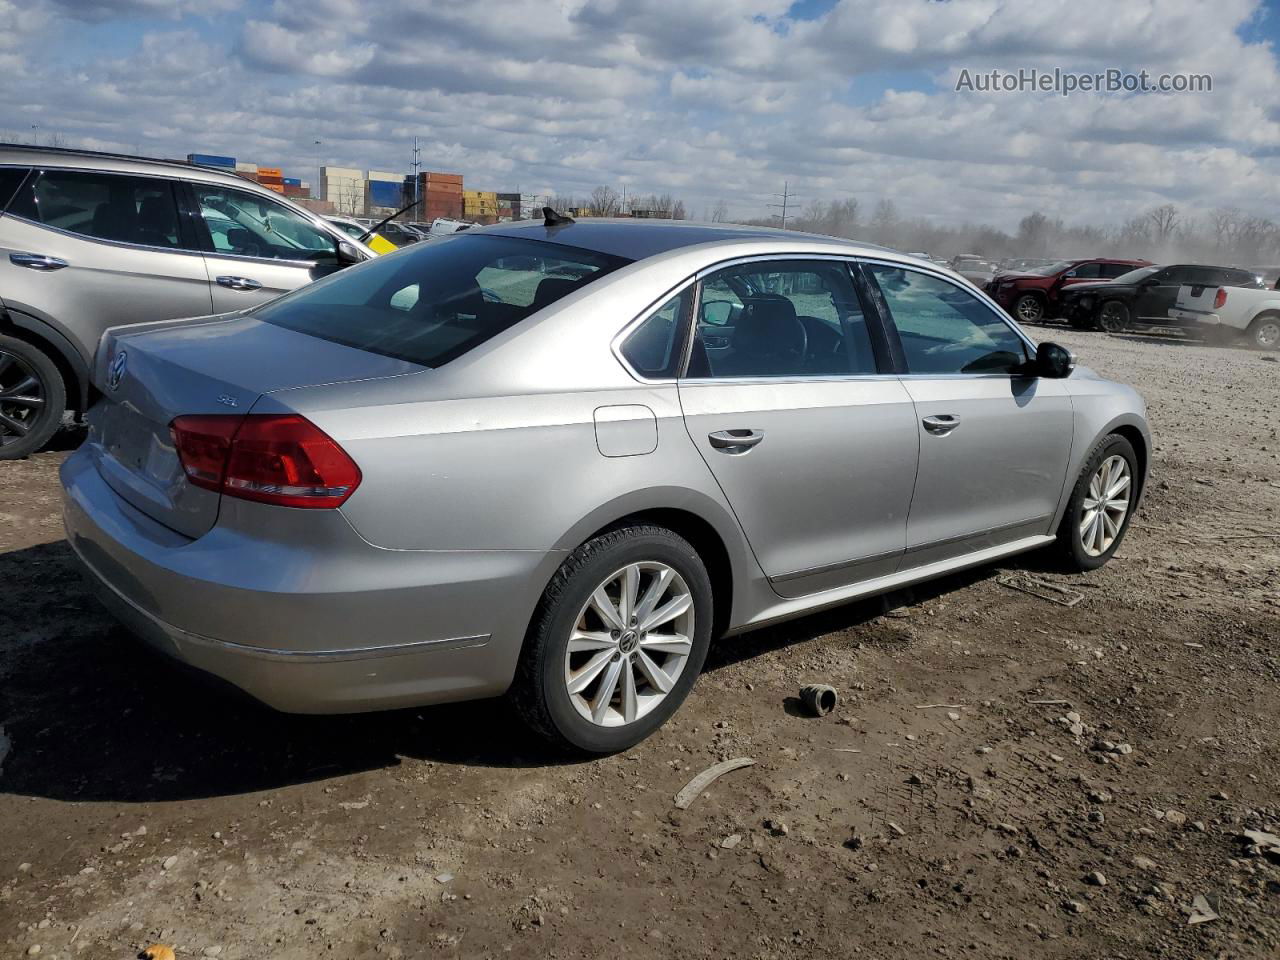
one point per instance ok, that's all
(735, 441)
(942, 424)
(239, 283)
(36, 261)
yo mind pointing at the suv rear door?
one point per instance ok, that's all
(256, 248)
(86, 250)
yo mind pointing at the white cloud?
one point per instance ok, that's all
(705, 98)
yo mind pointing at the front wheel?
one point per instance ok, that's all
(1101, 504)
(1264, 333)
(32, 398)
(1029, 308)
(617, 641)
(1114, 317)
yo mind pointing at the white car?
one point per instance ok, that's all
(1229, 313)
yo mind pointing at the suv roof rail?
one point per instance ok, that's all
(111, 155)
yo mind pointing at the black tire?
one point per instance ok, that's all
(1070, 546)
(24, 426)
(1264, 332)
(1028, 308)
(539, 692)
(1113, 317)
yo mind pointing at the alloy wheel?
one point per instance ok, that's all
(1030, 310)
(1113, 317)
(22, 398)
(629, 644)
(1106, 504)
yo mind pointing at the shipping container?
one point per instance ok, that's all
(270, 172)
(292, 182)
(347, 173)
(383, 176)
(243, 166)
(211, 160)
(386, 193)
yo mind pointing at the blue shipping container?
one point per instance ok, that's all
(211, 160)
(384, 193)
(292, 182)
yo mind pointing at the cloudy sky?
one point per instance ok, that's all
(706, 99)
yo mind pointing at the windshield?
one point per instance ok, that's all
(434, 302)
(1133, 276)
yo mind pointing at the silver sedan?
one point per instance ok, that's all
(557, 459)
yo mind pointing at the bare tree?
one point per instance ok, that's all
(1163, 221)
(605, 202)
(719, 212)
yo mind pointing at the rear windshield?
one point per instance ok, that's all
(436, 300)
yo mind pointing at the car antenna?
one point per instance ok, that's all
(382, 223)
(552, 219)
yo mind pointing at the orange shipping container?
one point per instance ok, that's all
(270, 172)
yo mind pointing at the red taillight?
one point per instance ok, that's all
(282, 459)
(1220, 299)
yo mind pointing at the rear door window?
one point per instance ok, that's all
(1089, 271)
(10, 179)
(436, 301)
(103, 206)
(1109, 271)
(248, 225)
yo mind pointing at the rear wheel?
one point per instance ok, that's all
(1029, 308)
(1113, 317)
(1101, 504)
(32, 398)
(617, 641)
(1264, 333)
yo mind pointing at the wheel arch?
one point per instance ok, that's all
(63, 354)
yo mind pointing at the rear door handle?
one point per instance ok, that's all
(36, 261)
(239, 283)
(942, 424)
(735, 441)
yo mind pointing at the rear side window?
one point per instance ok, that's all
(103, 206)
(655, 348)
(10, 179)
(1109, 271)
(435, 301)
(1089, 270)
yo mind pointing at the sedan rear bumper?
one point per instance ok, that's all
(361, 629)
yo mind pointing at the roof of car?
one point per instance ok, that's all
(637, 239)
(27, 155)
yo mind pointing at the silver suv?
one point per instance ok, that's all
(91, 240)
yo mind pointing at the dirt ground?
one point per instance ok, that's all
(944, 809)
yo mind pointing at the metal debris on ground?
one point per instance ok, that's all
(1049, 703)
(1042, 590)
(1201, 910)
(930, 706)
(819, 698)
(694, 787)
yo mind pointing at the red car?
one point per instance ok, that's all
(1036, 295)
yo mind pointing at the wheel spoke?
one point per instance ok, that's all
(651, 596)
(653, 673)
(603, 606)
(604, 695)
(1120, 506)
(1118, 487)
(26, 385)
(667, 643)
(584, 641)
(667, 612)
(10, 423)
(630, 702)
(1091, 514)
(6, 361)
(581, 678)
(630, 590)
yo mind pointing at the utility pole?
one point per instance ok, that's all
(315, 191)
(417, 164)
(786, 196)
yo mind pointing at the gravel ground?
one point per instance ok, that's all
(942, 810)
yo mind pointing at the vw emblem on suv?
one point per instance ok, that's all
(116, 372)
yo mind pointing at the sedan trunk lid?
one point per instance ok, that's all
(151, 373)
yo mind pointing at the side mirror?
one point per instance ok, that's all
(1069, 273)
(1053, 361)
(348, 254)
(716, 313)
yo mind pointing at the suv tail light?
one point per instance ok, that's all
(281, 459)
(1220, 299)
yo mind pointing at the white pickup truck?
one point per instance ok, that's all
(1229, 313)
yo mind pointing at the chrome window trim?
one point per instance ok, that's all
(970, 289)
(180, 251)
(849, 259)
